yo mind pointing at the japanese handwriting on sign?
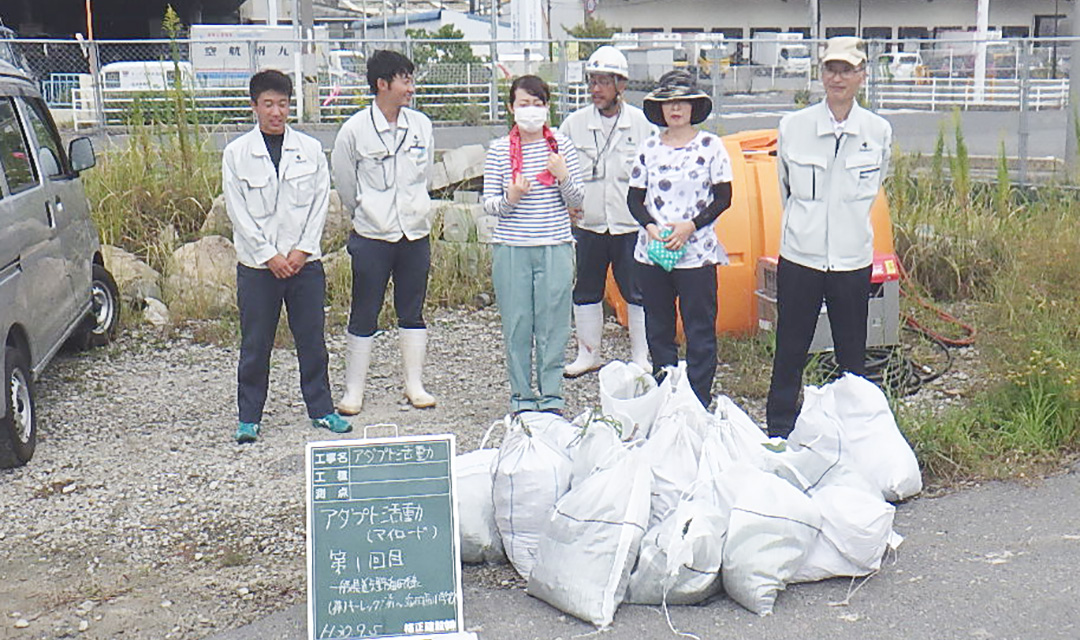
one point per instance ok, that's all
(392, 454)
(375, 584)
(338, 560)
(383, 603)
(210, 51)
(393, 513)
(359, 630)
(395, 534)
(386, 559)
(283, 51)
(234, 51)
(260, 50)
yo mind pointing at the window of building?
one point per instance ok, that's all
(1014, 32)
(1050, 26)
(913, 33)
(877, 33)
(833, 32)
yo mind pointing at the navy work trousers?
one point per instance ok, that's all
(374, 262)
(259, 296)
(799, 292)
(595, 252)
(696, 292)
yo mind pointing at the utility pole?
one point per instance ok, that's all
(982, 20)
(815, 31)
(311, 79)
(1074, 95)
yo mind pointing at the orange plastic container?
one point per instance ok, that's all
(751, 229)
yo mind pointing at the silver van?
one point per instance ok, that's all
(53, 284)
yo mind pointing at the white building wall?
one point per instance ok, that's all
(712, 15)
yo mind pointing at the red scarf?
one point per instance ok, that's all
(517, 160)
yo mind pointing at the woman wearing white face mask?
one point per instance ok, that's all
(531, 178)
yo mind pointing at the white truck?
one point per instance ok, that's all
(785, 53)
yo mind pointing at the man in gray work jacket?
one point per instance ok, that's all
(607, 134)
(831, 159)
(381, 162)
(277, 186)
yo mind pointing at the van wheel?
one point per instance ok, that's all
(103, 324)
(18, 428)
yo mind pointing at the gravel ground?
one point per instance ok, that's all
(139, 517)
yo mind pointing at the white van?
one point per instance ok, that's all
(145, 75)
(900, 65)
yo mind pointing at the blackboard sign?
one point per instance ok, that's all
(382, 539)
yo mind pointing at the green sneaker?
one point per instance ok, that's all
(333, 422)
(247, 432)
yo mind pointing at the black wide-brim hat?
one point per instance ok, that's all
(677, 84)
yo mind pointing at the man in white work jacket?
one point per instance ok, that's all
(607, 134)
(831, 160)
(277, 187)
(381, 162)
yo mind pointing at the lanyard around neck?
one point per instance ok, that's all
(610, 135)
(380, 136)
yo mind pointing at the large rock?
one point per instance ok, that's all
(202, 277)
(459, 165)
(465, 163)
(217, 221)
(135, 279)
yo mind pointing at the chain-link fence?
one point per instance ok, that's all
(116, 82)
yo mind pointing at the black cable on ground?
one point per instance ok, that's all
(891, 367)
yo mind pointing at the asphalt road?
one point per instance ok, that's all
(995, 562)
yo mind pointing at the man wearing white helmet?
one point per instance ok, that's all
(606, 134)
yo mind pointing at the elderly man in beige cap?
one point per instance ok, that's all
(831, 159)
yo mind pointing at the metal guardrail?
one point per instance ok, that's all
(947, 93)
(457, 103)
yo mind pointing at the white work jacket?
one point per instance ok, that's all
(827, 190)
(382, 175)
(606, 165)
(274, 212)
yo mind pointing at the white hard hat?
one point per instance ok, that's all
(608, 59)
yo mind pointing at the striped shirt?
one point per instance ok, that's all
(541, 216)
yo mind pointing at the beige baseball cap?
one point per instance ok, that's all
(849, 49)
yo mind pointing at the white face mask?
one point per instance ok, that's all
(530, 119)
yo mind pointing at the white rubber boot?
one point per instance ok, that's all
(589, 326)
(357, 359)
(639, 345)
(413, 351)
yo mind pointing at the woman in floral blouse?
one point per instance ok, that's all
(679, 186)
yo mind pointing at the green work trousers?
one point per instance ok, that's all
(533, 286)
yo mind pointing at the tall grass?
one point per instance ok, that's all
(157, 187)
(1011, 255)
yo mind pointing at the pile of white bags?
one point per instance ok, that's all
(531, 473)
(654, 500)
(480, 540)
(630, 395)
(591, 541)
